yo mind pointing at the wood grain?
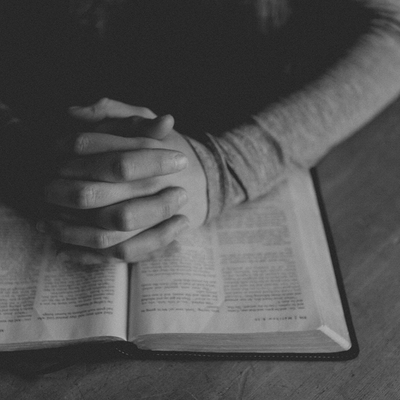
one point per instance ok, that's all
(360, 184)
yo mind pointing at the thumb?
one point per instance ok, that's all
(157, 128)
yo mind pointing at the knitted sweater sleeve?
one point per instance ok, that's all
(299, 129)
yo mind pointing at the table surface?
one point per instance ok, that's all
(360, 184)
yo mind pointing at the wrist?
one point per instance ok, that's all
(211, 169)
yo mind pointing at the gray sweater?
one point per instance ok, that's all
(298, 130)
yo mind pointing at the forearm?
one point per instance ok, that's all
(299, 130)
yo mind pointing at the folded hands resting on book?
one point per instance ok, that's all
(127, 188)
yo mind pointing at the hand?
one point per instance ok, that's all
(127, 185)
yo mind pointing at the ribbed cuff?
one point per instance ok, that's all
(212, 164)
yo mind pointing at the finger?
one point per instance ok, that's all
(160, 129)
(132, 126)
(86, 236)
(107, 108)
(148, 241)
(91, 195)
(86, 257)
(88, 195)
(143, 212)
(124, 166)
(120, 135)
(94, 143)
(157, 128)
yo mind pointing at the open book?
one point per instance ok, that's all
(258, 281)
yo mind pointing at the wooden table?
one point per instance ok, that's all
(361, 186)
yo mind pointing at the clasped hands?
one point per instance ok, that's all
(127, 189)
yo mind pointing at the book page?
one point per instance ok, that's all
(185, 284)
(245, 273)
(44, 298)
(315, 248)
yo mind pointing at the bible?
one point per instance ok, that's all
(261, 281)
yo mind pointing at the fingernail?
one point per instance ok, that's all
(41, 227)
(181, 162)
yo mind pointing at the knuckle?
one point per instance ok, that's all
(167, 206)
(82, 143)
(161, 166)
(101, 240)
(123, 168)
(167, 211)
(172, 199)
(103, 103)
(86, 197)
(99, 107)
